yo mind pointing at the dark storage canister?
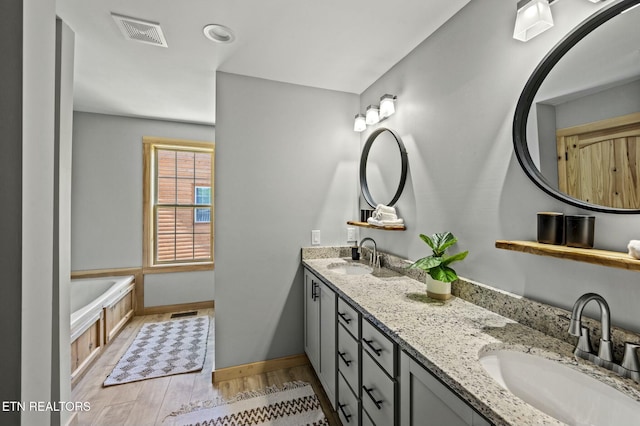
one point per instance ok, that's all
(579, 231)
(365, 214)
(355, 253)
(550, 227)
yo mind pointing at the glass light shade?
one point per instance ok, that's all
(372, 115)
(359, 125)
(534, 17)
(387, 106)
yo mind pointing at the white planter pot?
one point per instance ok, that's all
(438, 289)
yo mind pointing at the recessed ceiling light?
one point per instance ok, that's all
(219, 33)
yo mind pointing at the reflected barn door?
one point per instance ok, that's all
(599, 162)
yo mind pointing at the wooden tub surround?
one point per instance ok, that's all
(87, 347)
(118, 272)
(118, 314)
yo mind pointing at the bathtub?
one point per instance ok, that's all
(100, 307)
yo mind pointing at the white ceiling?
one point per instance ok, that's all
(331, 44)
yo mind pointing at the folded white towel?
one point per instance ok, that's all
(393, 222)
(376, 222)
(385, 216)
(385, 209)
(634, 249)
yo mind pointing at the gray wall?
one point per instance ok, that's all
(287, 161)
(106, 208)
(38, 244)
(61, 350)
(614, 102)
(547, 144)
(457, 93)
(34, 169)
(11, 29)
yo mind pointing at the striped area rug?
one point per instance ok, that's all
(293, 403)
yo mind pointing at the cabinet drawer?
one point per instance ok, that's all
(379, 347)
(348, 358)
(348, 408)
(348, 317)
(366, 421)
(378, 393)
(425, 401)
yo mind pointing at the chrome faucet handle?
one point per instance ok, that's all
(584, 341)
(630, 360)
(605, 350)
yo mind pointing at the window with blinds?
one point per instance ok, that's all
(179, 203)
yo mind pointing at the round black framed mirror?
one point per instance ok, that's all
(383, 167)
(557, 81)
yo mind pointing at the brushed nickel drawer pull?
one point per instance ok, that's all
(375, 401)
(369, 343)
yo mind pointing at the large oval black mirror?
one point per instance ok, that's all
(576, 129)
(383, 168)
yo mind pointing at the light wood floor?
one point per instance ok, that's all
(148, 402)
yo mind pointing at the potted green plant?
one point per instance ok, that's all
(440, 274)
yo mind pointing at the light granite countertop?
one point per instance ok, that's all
(448, 339)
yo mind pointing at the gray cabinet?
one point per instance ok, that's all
(349, 318)
(425, 401)
(349, 358)
(348, 352)
(348, 403)
(328, 342)
(378, 392)
(380, 347)
(366, 420)
(366, 377)
(312, 318)
(320, 331)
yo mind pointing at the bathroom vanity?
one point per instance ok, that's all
(387, 355)
(364, 384)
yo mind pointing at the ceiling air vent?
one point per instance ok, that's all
(139, 30)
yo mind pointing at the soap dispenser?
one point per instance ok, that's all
(355, 255)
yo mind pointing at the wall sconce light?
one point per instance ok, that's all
(374, 114)
(387, 106)
(360, 124)
(534, 18)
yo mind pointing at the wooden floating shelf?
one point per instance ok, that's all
(599, 257)
(385, 228)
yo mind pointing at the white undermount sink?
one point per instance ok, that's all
(350, 268)
(560, 391)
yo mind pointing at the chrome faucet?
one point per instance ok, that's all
(374, 260)
(583, 350)
(630, 366)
